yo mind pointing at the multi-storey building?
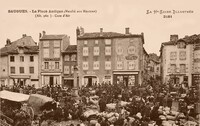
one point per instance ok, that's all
(110, 56)
(179, 60)
(19, 62)
(69, 62)
(50, 58)
(154, 65)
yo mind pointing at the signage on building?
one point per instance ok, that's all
(90, 72)
(51, 59)
(131, 57)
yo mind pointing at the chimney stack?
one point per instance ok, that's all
(101, 30)
(127, 31)
(24, 35)
(81, 31)
(43, 32)
(8, 42)
(77, 31)
(40, 35)
(173, 38)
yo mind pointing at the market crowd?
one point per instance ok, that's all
(109, 104)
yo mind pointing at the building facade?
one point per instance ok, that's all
(19, 62)
(179, 60)
(69, 62)
(110, 57)
(50, 58)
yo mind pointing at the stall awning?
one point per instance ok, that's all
(20, 76)
(13, 96)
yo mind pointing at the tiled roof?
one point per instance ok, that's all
(52, 37)
(31, 49)
(104, 35)
(12, 48)
(187, 39)
(71, 49)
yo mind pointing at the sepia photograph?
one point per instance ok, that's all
(100, 63)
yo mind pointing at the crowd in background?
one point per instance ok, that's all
(145, 101)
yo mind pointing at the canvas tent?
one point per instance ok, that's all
(13, 96)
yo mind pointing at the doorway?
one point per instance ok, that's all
(51, 81)
(89, 81)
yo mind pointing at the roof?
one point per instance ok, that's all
(52, 37)
(71, 49)
(105, 35)
(188, 39)
(24, 41)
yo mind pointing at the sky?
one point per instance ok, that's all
(111, 15)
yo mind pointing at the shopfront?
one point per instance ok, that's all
(128, 78)
(195, 79)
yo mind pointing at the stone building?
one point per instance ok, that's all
(69, 62)
(110, 57)
(50, 58)
(179, 60)
(19, 62)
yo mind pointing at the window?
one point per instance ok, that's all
(31, 70)
(21, 58)
(108, 41)
(12, 58)
(108, 50)
(56, 53)
(131, 65)
(96, 51)
(96, 65)
(182, 68)
(66, 57)
(173, 55)
(119, 65)
(12, 70)
(21, 69)
(96, 42)
(85, 51)
(31, 58)
(46, 65)
(73, 57)
(181, 45)
(46, 53)
(56, 43)
(119, 50)
(85, 65)
(182, 55)
(85, 42)
(173, 68)
(56, 65)
(108, 65)
(45, 43)
(66, 69)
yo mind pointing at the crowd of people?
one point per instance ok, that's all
(144, 103)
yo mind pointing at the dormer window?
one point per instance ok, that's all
(181, 45)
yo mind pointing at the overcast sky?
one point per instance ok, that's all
(112, 15)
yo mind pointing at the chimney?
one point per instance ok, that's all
(173, 38)
(101, 30)
(43, 32)
(81, 31)
(8, 42)
(24, 35)
(127, 31)
(40, 35)
(77, 31)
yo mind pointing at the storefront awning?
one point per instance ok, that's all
(125, 72)
(20, 76)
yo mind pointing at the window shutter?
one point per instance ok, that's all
(177, 69)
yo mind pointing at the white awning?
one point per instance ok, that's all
(13, 96)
